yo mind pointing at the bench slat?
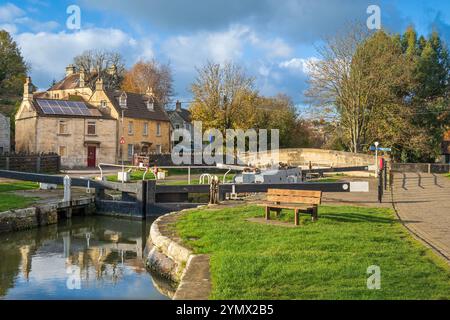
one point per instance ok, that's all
(293, 199)
(301, 193)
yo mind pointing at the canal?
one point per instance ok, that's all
(82, 258)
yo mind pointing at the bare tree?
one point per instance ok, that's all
(362, 78)
(103, 64)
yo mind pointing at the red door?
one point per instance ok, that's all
(91, 161)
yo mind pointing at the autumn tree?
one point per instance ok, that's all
(279, 112)
(13, 68)
(360, 77)
(103, 64)
(150, 74)
(224, 97)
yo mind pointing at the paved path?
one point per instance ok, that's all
(423, 203)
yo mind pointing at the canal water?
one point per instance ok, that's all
(82, 258)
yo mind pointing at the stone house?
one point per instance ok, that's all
(181, 119)
(5, 134)
(80, 133)
(135, 119)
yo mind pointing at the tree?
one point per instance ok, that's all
(224, 97)
(150, 74)
(13, 69)
(360, 77)
(278, 113)
(103, 64)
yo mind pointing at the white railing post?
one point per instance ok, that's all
(67, 191)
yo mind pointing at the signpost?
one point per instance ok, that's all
(122, 142)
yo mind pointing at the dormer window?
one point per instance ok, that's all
(123, 100)
(150, 105)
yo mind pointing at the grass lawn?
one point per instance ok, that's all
(20, 185)
(10, 201)
(323, 260)
(134, 176)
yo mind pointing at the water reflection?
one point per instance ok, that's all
(82, 258)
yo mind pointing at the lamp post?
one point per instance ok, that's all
(121, 147)
(376, 157)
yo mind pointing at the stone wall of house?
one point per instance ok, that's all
(76, 140)
(5, 134)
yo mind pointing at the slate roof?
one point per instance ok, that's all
(183, 113)
(94, 112)
(137, 107)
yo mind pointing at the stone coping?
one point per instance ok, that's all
(177, 263)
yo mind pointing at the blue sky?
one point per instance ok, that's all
(272, 39)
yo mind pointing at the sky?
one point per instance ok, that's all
(272, 39)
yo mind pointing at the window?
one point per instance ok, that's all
(158, 129)
(62, 151)
(130, 150)
(103, 104)
(145, 128)
(150, 106)
(130, 128)
(158, 149)
(91, 128)
(1, 150)
(188, 126)
(177, 126)
(63, 127)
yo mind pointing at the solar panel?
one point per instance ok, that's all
(62, 107)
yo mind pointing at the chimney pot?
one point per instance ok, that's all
(178, 106)
(70, 69)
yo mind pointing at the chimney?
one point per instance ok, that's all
(28, 90)
(70, 69)
(82, 78)
(178, 106)
(112, 70)
(99, 85)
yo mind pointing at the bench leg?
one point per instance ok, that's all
(315, 213)
(267, 213)
(297, 216)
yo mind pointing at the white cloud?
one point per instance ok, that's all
(49, 53)
(189, 51)
(9, 27)
(298, 64)
(9, 12)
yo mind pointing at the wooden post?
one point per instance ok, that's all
(297, 217)
(315, 214)
(267, 213)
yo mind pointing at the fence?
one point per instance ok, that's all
(421, 167)
(48, 163)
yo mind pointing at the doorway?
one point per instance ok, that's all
(91, 158)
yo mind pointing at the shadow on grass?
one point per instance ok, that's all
(356, 218)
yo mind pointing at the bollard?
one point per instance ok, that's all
(67, 191)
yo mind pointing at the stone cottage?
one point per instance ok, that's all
(5, 134)
(79, 132)
(87, 126)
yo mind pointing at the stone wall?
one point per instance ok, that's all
(5, 134)
(24, 219)
(318, 157)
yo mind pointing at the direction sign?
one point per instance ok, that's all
(122, 140)
(372, 148)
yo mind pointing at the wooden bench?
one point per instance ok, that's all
(298, 200)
